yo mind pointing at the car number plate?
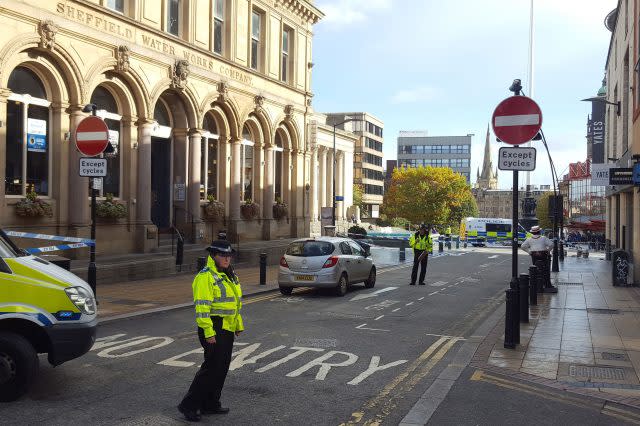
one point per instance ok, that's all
(305, 277)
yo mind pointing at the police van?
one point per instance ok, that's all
(43, 309)
(479, 231)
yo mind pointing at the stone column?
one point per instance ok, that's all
(236, 170)
(340, 184)
(4, 94)
(269, 187)
(78, 186)
(194, 172)
(143, 190)
(313, 196)
(329, 178)
(322, 181)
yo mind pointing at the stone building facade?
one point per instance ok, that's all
(203, 98)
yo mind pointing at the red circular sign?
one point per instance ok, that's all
(92, 136)
(516, 120)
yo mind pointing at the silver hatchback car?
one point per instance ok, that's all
(332, 262)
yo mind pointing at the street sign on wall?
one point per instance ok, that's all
(621, 176)
(522, 159)
(91, 136)
(516, 120)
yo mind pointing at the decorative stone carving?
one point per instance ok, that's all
(259, 101)
(179, 73)
(288, 110)
(223, 91)
(122, 58)
(47, 30)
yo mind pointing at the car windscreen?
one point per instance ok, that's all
(7, 249)
(310, 248)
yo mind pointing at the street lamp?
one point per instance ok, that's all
(601, 99)
(333, 203)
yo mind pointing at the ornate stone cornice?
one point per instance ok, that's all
(300, 8)
(122, 58)
(258, 100)
(179, 74)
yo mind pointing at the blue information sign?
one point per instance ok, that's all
(339, 198)
(636, 174)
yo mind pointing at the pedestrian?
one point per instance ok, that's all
(353, 218)
(422, 245)
(538, 246)
(217, 298)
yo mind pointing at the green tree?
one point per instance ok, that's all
(542, 211)
(468, 208)
(358, 192)
(434, 195)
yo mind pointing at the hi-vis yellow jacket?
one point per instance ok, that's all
(214, 293)
(420, 242)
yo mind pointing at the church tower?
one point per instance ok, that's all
(488, 179)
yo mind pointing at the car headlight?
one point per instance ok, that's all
(82, 298)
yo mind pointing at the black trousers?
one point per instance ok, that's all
(206, 388)
(541, 260)
(422, 263)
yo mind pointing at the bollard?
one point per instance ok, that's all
(201, 263)
(533, 285)
(515, 309)
(561, 252)
(440, 246)
(607, 249)
(458, 243)
(509, 337)
(579, 253)
(523, 282)
(402, 252)
(179, 254)
(540, 281)
(263, 268)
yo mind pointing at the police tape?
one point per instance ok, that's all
(56, 248)
(86, 241)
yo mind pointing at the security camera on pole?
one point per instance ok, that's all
(92, 139)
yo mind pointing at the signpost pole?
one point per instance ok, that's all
(514, 229)
(91, 275)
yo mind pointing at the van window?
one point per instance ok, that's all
(5, 249)
(310, 248)
(498, 227)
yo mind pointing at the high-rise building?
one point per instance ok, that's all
(367, 166)
(417, 149)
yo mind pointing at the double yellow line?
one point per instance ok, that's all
(607, 409)
(271, 296)
(374, 411)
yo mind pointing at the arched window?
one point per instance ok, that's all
(28, 145)
(278, 165)
(247, 163)
(209, 159)
(161, 115)
(108, 111)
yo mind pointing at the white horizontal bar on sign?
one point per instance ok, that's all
(517, 120)
(92, 136)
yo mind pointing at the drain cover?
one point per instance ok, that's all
(566, 283)
(590, 372)
(614, 356)
(603, 311)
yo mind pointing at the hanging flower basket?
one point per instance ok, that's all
(214, 210)
(31, 206)
(249, 210)
(110, 209)
(280, 210)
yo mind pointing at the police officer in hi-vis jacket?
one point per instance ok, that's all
(422, 245)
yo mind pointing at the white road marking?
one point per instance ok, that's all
(396, 309)
(362, 327)
(444, 335)
(421, 298)
(435, 292)
(408, 304)
(374, 366)
(492, 257)
(381, 305)
(174, 360)
(107, 353)
(298, 351)
(375, 293)
(325, 366)
(241, 356)
(378, 318)
(439, 283)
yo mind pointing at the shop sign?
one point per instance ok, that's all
(600, 174)
(36, 135)
(636, 174)
(621, 176)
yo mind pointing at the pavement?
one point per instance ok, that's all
(585, 339)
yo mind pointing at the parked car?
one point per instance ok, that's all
(326, 262)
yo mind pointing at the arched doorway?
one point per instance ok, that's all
(161, 166)
(209, 159)
(28, 142)
(247, 154)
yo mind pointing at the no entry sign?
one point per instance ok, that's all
(516, 120)
(92, 136)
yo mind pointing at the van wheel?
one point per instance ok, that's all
(371, 281)
(286, 290)
(343, 285)
(18, 366)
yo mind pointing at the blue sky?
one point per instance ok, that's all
(443, 66)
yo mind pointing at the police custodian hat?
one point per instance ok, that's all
(220, 246)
